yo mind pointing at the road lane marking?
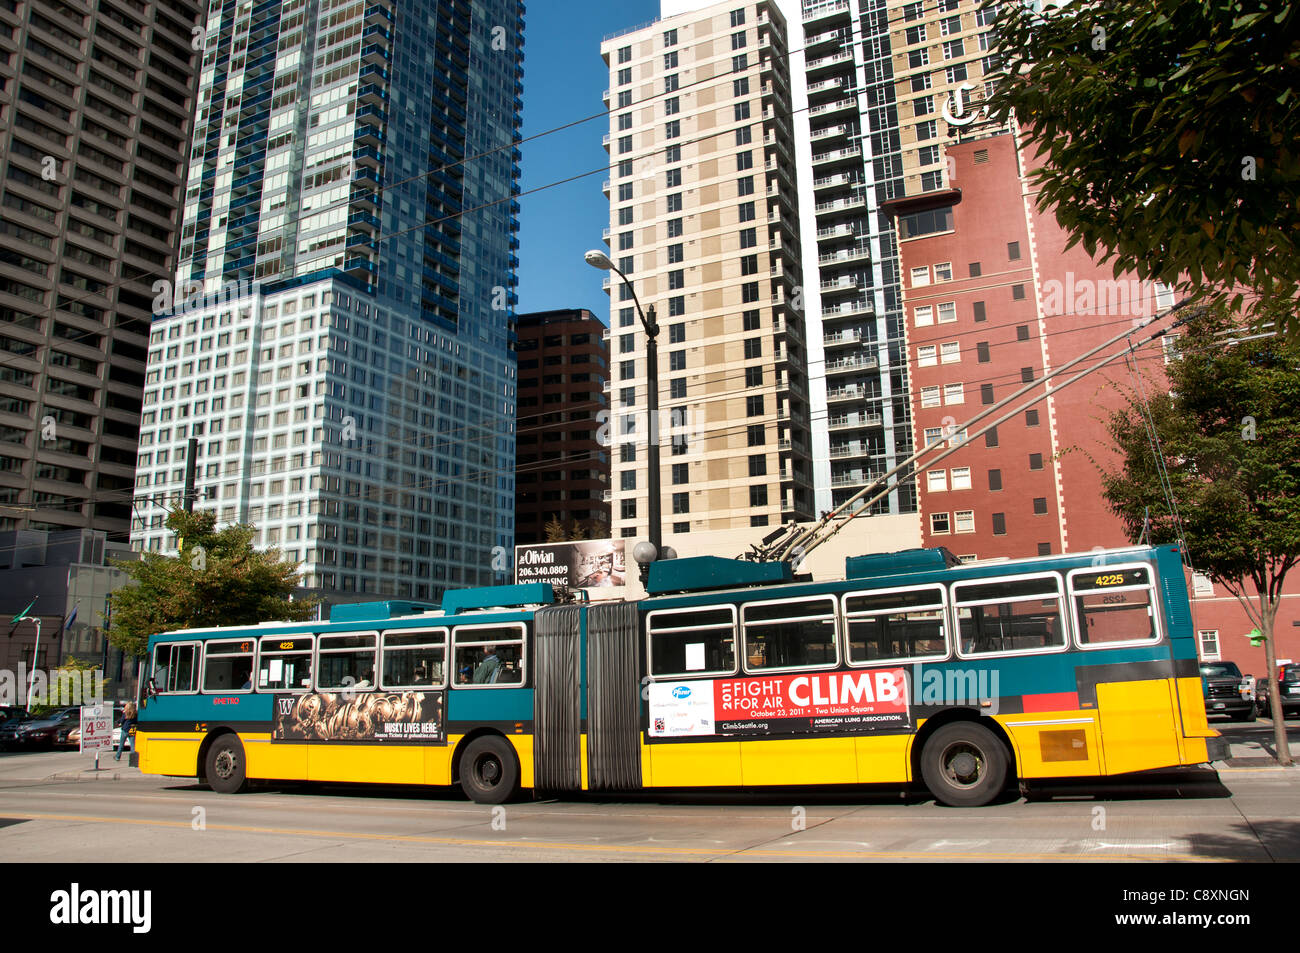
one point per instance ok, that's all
(596, 848)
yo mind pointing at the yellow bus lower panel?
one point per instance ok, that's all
(1054, 744)
(702, 764)
(1196, 727)
(786, 761)
(176, 755)
(1138, 728)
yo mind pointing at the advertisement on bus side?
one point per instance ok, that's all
(387, 717)
(875, 700)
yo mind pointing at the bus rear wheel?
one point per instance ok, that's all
(224, 768)
(489, 770)
(964, 765)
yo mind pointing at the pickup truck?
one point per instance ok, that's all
(1227, 691)
(1288, 684)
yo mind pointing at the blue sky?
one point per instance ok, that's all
(564, 78)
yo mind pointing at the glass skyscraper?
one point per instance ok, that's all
(341, 339)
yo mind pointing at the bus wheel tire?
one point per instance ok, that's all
(489, 770)
(964, 765)
(224, 768)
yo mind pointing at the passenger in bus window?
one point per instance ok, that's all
(421, 676)
(364, 681)
(486, 671)
(246, 682)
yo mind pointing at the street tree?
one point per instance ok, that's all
(217, 579)
(1169, 136)
(1228, 433)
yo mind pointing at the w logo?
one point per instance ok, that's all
(285, 705)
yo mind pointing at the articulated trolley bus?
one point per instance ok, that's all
(729, 674)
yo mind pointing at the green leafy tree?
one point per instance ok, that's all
(1229, 435)
(1169, 134)
(217, 579)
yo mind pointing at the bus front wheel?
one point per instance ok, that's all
(489, 770)
(964, 765)
(224, 768)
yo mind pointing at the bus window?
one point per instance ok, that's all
(228, 666)
(173, 667)
(896, 626)
(415, 659)
(1113, 606)
(692, 641)
(284, 664)
(346, 661)
(1011, 615)
(489, 655)
(790, 634)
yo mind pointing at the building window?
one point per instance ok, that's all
(982, 352)
(627, 509)
(936, 481)
(978, 308)
(670, 60)
(995, 479)
(753, 348)
(681, 502)
(681, 473)
(954, 394)
(965, 521)
(930, 396)
(920, 276)
(1209, 643)
(939, 523)
(673, 129)
(670, 38)
(924, 315)
(757, 435)
(961, 478)
(1040, 506)
(1031, 418)
(677, 388)
(999, 524)
(754, 405)
(1017, 292)
(737, 18)
(947, 312)
(1013, 251)
(1035, 461)
(671, 83)
(738, 40)
(950, 352)
(974, 269)
(758, 496)
(625, 54)
(926, 355)
(758, 464)
(943, 272)
(991, 438)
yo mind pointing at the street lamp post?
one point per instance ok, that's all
(598, 259)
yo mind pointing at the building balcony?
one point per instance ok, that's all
(824, 11)
(858, 252)
(842, 283)
(856, 477)
(847, 308)
(853, 200)
(834, 59)
(858, 362)
(828, 84)
(837, 155)
(830, 132)
(837, 338)
(854, 421)
(840, 105)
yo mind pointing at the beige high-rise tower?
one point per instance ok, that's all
(703, 222)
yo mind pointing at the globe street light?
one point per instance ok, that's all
(598, 259)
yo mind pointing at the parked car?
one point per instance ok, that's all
(11, 713)
(40, 732)
(1289, 684)
(1227, 691)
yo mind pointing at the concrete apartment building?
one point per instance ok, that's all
(562, 472)
(703, 207)
(347, 364)
(96, 103)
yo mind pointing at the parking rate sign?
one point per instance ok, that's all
(97, 727)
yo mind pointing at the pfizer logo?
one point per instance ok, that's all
(681, 691)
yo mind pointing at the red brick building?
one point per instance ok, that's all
(991, 299)
(562, 470)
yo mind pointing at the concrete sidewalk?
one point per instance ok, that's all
(26, 766)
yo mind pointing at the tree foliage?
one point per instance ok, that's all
(1170, 135)
(1228, 431)
(218, 579)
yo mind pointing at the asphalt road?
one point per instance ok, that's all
(52, 808)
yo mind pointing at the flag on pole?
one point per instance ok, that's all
(23, 615)
(72, 617)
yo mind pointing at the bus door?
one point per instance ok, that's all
(592, 678)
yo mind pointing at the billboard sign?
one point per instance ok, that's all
(583, 564)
